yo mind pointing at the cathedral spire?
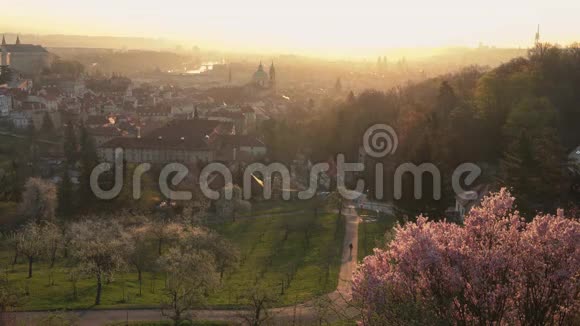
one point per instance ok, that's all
(17, 39)
(3, 40)
(538, 35)
(272, 69)
(272, 76)
(338, 85)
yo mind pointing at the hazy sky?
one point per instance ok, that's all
(310, 26)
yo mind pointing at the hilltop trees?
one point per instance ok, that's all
(69, 68)
(478, 115)
(528, 108)
(495, 269)
(531, 163)
(557, 70)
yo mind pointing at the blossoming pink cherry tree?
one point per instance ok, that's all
(495, 269)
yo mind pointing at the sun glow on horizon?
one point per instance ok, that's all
(320, 27)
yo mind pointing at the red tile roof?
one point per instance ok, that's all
(180, 134)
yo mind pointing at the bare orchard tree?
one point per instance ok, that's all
(101, 248)
(234, 206)
(226, 254)
(67, 237)
(261, 300)
(142, 254)
(38, 200)
(53, 240)
(74, 274)
(11, 241)
(335, 199)
(323, 308)
(196, 212)
(191, 276)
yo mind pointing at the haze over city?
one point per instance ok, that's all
(322, 28)
(298, 163)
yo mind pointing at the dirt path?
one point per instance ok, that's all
(304, 314)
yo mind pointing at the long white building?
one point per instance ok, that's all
(28, 59)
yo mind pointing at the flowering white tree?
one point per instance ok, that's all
(191, 276)
(101, 247)
(163, 230)
(226, 254)
(30, 243)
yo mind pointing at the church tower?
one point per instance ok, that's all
(18, 40)
(537, 39)
(272, 76)
(4, 55)
(338, 85)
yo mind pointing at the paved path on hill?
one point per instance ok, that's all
(307, 313)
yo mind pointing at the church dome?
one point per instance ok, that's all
(260, 76)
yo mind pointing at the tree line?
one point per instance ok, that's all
(517, 121)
